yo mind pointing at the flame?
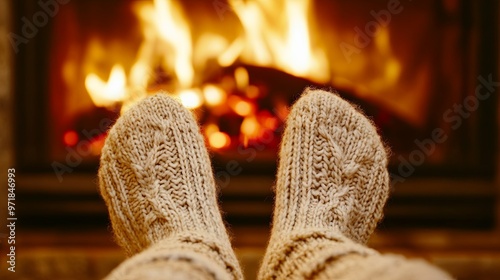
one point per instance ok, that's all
(241, 78)
(271, 39)
(216, 138)
(277, 34)
(167, 39)
(219, 140)
(166, 28)
(298, 38)
(210, 128)
(241, 106)
(275, 39)
(250, 127)
(107, 93)
(256, 126)
(214, 95)
(191, 98)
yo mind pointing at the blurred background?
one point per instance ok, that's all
(426, 72)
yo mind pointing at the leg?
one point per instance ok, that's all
(331, 189)
(156, 179)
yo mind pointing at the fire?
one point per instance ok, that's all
(190, 98)
(277, 34)
(241, 106)
(216, 138)
(241, 78)
(276, 39)
(284, 44)
(219, 140)
(250, 127)
(214, 95)
(107, 93)
(70, 138)
(168, 38)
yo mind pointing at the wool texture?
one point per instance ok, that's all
(156, 179)
(332, 184)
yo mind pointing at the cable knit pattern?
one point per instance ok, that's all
(331, 188)
(333, 169)
(156, 179)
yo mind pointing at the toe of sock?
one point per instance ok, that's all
(333, 159)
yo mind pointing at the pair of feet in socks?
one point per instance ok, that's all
(156, 179)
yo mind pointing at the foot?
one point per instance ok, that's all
(333, 169)
(156, 179)
(332, 184)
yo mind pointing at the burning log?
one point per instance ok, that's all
(278, 89)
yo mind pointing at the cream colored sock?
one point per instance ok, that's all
(156, 179)
(331, 188)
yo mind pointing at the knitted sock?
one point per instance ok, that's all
(332, 184)
(156, 179)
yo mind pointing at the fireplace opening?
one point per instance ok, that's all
(413, 67)
(239, 65)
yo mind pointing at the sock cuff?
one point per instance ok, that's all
(305, 253)
(203, 252)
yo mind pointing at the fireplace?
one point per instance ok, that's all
(424, 71)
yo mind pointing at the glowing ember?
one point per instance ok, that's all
(250, 127)
(194, 66)
(240, 106)
(210, 128)
(214, 95)
(219, 140)
(241, 77)
(70, 138)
